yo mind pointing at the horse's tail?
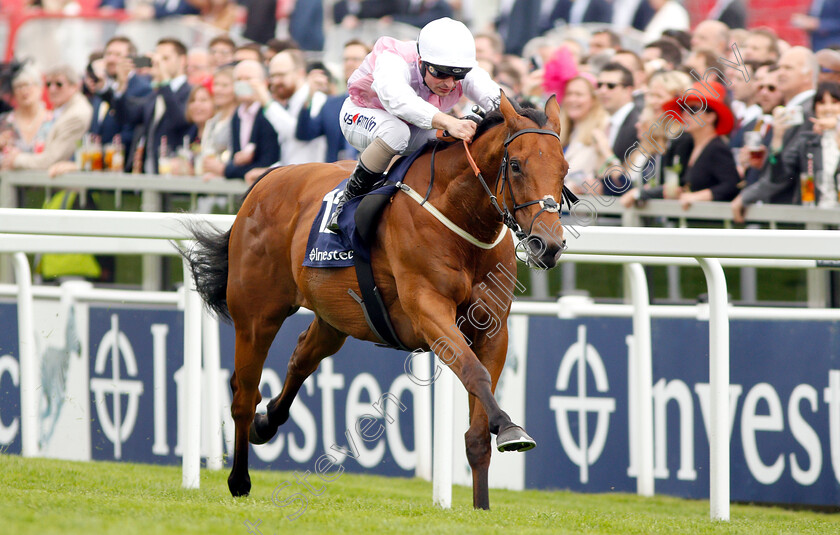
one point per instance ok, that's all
(208, 261)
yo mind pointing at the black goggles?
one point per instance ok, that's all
(440, 72)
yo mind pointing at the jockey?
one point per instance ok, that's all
(402, 92)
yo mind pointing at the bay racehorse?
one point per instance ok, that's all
(427, 274)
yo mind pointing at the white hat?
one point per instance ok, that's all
(447, 43)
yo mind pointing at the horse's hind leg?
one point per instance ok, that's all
(318, 341)
(253, 338)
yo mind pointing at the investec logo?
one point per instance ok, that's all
(316, 255)
(582, 452)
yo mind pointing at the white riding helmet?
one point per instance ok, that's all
(447, 43)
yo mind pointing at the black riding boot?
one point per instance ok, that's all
(361, 182)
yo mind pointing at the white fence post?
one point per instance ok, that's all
(422, 370)
(30, 372)
(719, 386)
(212, 406)
(644, 377)
(443, 433)
(192, 383)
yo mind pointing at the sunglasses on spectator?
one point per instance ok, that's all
(442, 73)
(610, 85)
(55, 83)
(769, 88)
(826, 70)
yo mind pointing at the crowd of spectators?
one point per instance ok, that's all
(721, 113)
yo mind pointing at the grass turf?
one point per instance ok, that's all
(42, 496)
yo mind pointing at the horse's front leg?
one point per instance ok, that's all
(433, 316)
(491, 350)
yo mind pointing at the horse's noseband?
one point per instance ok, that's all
(548, 204)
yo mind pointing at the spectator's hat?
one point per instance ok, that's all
(712, 95)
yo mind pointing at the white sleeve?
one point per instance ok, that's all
(318, 101)
(481, 89)
(282, 121)
(392, 83)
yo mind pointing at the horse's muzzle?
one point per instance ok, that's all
(537, 252)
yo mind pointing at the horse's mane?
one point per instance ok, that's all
(495, 117)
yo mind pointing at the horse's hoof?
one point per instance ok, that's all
(239, 488)
(514, 438)
(257, 433)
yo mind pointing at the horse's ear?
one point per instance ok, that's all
(552, 111)
(507, 110)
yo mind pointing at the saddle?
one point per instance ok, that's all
(358, 222)
(366, 217)
(365, 212)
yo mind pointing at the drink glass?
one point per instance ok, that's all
(96, 160)
(164, 166)
(794, 115)
(109, 156)
(806, 185)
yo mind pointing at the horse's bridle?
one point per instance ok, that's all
(547, 203)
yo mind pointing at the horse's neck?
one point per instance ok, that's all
(458, 193)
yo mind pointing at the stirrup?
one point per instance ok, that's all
(333, 222)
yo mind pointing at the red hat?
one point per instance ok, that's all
(714, 95)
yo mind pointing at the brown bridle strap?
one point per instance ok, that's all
(546, 204)
(470, 159)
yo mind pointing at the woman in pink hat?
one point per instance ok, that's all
(710, 174)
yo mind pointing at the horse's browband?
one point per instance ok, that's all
(532, 131)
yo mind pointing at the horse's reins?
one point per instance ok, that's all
(547, 203)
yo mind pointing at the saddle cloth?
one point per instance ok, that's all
(327, 249)
(351, 247)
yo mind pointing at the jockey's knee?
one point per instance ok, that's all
(396, 135)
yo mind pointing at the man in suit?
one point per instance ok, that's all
(71, 116)
(744, 103)
(326, 123)
(118, 50)
(822, 22)
(290, 92)
(254, 140)
(162, 113)
(797, 77)
(633, 63)
(615, 91)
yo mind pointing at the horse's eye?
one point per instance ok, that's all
(514, 166)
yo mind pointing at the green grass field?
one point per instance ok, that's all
(42, 496)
